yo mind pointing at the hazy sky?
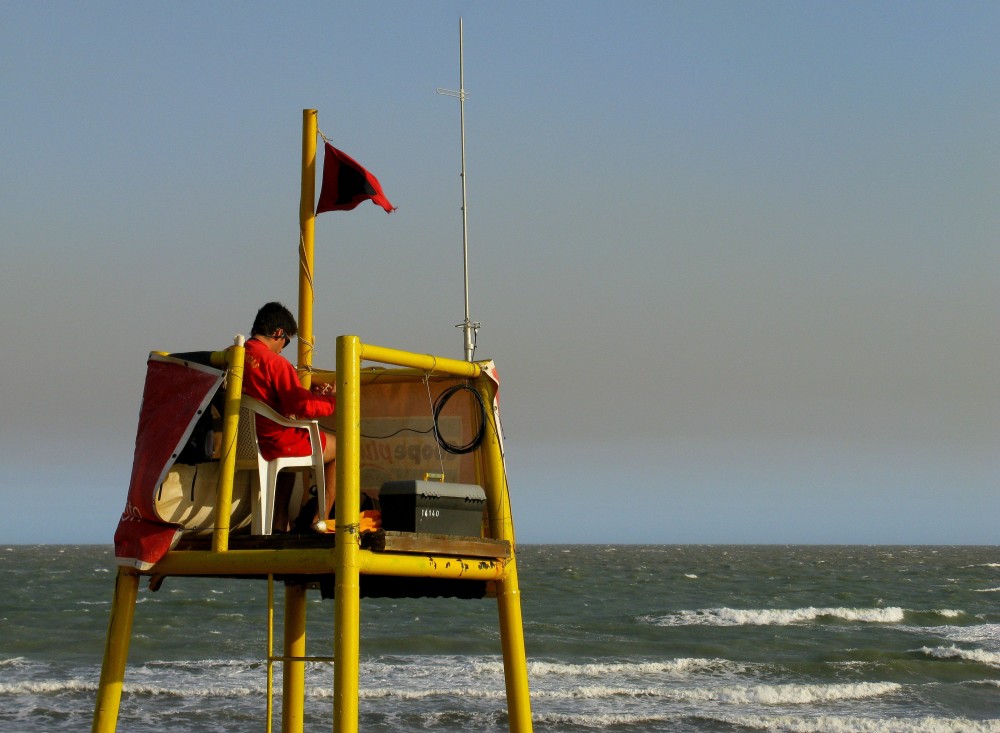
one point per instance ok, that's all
(737, 262)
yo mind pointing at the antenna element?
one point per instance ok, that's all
(469, 329)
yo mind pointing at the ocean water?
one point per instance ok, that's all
(631, 639)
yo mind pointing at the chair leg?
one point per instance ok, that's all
(260, 510)
(321, 498)
(268, 507)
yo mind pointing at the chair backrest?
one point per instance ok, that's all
(248, 457)
(246, 441)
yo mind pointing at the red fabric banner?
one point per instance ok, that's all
(175, 394)
(346, 184)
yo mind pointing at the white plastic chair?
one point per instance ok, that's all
(248, 457)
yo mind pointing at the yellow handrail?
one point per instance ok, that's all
(424, 362)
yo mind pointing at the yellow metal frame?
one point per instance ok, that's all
(351, 560)
(346, 559)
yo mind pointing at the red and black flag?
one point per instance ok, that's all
(346, 184)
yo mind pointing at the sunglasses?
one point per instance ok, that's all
(286, 337)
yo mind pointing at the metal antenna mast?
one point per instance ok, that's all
(469, 329)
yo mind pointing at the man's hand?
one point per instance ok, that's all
(324, 390)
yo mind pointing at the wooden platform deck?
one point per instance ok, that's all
(378, 541)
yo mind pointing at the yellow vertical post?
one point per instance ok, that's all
(307, 238)
(109, 691)
(294, 672)
(227, 465)
(515, 662)
(347, 606)
(293, 687)
(268, 724)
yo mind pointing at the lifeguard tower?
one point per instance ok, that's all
(419, 435)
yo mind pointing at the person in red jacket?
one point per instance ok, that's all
(271, 378)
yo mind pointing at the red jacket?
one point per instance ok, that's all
(272, 379)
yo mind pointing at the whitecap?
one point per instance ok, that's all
(988, 683)
(796, 694)
(675, 666)
(45, 687)
(774, 617)
(855, 724)
(680, 666)
(396, 693)
(599, 721)
(238, 691)
(988, 634)
(980, 656)
(792, 694)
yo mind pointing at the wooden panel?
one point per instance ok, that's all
(379, 541)
(432, 544)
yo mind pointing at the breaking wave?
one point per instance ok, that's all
(775, 617)
(46, 687)
(783, 723)
(855, 724)
(683, 666)
(791, 694)
(979, 656)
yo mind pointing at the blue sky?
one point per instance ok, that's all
(736, 262)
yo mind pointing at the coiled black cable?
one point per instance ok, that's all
(477, 439)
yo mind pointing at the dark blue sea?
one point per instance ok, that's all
(631, 639)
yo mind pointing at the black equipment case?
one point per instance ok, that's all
(432, 507)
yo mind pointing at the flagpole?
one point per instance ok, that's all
(469, 329)
(307, 239)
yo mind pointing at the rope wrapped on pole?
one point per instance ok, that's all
(307, 240)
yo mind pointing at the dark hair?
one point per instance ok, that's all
(271, 317)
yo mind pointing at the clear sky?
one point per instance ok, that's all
(737, 262)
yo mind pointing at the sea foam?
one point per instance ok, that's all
(980, 656)
(45, 687)
(774, 617)
(784, 723)
(856, 724)
(792, 694)
(681, 666)
(987, 635)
